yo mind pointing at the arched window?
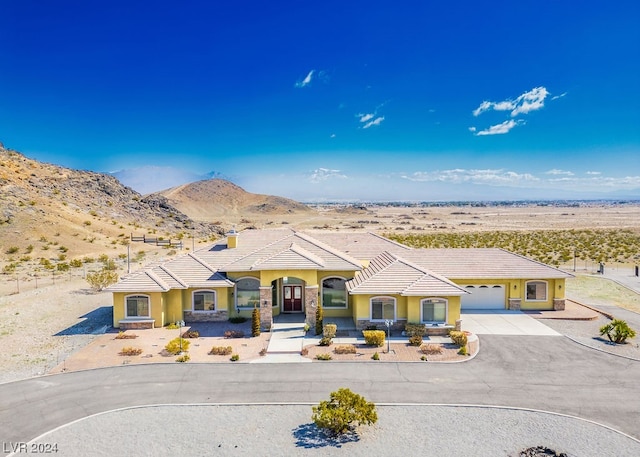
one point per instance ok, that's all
(433, 310)
(247, 293)
(383, 308)
(204, 300)
(137, 306)
(334, 293)
(536, 291)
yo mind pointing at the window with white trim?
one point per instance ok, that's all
(204, 300)
(247, 293)
(433, 310)
(383, 308)
(334, 293)
(137, 306)
(537, 291)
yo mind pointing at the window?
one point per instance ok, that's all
(434, 310)
(383, 308)
(137, 306)
(204, 300)
(247, 293)
(537, 291)
(334, 293)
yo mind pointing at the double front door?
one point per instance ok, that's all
(292, 299)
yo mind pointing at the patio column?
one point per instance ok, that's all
(514, 303)
(266, 310)
(558, 304)
(310, 304)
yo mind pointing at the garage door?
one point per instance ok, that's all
(486, 296)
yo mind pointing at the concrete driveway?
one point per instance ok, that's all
(504, 322)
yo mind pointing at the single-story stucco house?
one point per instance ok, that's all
(362, 276)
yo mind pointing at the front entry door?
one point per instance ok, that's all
(292, 299)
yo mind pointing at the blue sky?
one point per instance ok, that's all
(415, 100)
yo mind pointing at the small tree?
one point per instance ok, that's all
(617, 331)
(343, 412)
(101, 279)
(255, 322)
(319, 314)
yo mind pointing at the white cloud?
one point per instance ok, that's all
(496, 177)
(557, 172)
(472, 129)
(322, 174)
(529, 101)
(555, 97)
(333, 135)
(376, 121)
(306, 81)
(594, 173)
(365, 117)
(500, 129)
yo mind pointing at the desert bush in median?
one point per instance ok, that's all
(235, 357)
(221, 350)
(255, 322)
(458, 338)
(329, 331)
(431, 349)
(324, 341)
(176, 345)
(345, 349)
(343, 411)
(325, 356)
(234, 334)
(191, 334)
(415, 340)
(183, 358)
(126, 336)
(130, 351)
(374, 337)
(617, 331)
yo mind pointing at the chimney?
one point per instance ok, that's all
(232, 239)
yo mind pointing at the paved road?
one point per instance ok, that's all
(548, 373)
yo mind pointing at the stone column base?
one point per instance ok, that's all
(514, 304)
(558, 304)
(266, 311)
(310, 305)
(458, 325)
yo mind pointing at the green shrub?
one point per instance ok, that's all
(458, 338)
(324, 341)
(617, 331)
(183, 358)
(255, 322)
(371, 327)
(237, 319)
(101, 279)
(375, 356)
(12, 250)
(374, 337)
(345, 349)
(343, 412)
(415, 340)
(463, 350)
(319, 316)
(130, 351)
(221, 350)
(329, 330)
(235, 358)
(325, 356)
(172, 326)
(415, 330)
(176, 345)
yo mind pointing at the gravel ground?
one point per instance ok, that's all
(278, 430)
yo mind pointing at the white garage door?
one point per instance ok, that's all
(486, 296)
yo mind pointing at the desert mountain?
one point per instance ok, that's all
(216, 199)
(45, 205)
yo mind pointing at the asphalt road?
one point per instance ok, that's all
(548, 373)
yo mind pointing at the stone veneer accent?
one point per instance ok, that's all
(137, 325)
(558, 304)
(458, 326)
(514, 303)
(266, 310)
(206, 316)
(397, 326)
(310, 305)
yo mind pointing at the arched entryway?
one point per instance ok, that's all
(292, 293)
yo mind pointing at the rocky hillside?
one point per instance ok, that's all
(46, 207)
(217, 199)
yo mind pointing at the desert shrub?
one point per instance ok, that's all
(63, 266)
(235, 358)
(329, 330)
(172, 326)
(415, 340)
(343, 411)
(263, 352)
(176, 345)
(183, 358)
(431, 349)
(617, 331)
(325, 356)
(373, 337)
(415, 330)
(304, 351)
(12, 250)
(191, 334)
(375, 356)
(319, 316)
(126, 336)
(234, 334)
(255, 322)
(76, 263)
(237, 319)
(102, 279)
(221, 350)
(130, 351)
(324, 341)
(345, 349)
(463, 350)
(371, 327)
(458, 338)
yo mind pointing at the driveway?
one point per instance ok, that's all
(504, 322)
